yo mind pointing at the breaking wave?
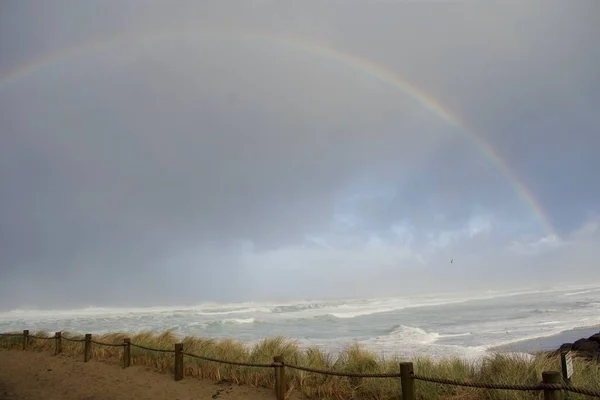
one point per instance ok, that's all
(438, 326)
(300, 309)
(239, 321)
(582, 292)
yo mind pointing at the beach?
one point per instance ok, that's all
(38, 374)
(32, 375)
(550, 343)
(465, 325)
(357, 335)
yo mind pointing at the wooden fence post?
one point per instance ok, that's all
(57, 343)
(280, 383)
(87, 349)
(178, 361)
(552, 377)
(126, 353)
(25, 339)
(407, 381)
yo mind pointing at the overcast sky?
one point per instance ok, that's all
(158, 154)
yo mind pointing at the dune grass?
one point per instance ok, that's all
(496, 368)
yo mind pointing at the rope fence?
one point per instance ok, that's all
(238, 363)
(73, 340)
(552, 383)
(150, 348)
(343, 373)
(106, 344)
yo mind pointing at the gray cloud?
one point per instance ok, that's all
(135, 173)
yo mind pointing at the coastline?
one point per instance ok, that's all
(151, 352)
(545, 344)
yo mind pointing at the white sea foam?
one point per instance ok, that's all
(239, 321)
(354, 314)
(356, 307)
(452, 335)
(442, 325)
(413, 335)
(407, 341)
(582, 292)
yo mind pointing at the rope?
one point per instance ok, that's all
(503, 386)
(73, 340)
(151, 349)
(587, 392)
(480, 385)
(347, 374)
(108, 344)
(444, 381)
(239, 363)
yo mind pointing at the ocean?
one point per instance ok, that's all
(464, 325)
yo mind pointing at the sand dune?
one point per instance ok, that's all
(38, 375)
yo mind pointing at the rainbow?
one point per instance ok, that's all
(365, 66)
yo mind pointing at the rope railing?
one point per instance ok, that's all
(73, 340)
(484, 385)
(584, 391)
(105, 344)
(238, 363)
(502, 386)
(551, 384)
(139, 346)
(344, 373)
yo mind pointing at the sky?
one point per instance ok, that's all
(170, 154)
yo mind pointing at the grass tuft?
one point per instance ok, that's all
(496, 367)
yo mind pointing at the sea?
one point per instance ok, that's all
(467, 325)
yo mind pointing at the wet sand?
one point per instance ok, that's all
(30, 375)
(549, 343)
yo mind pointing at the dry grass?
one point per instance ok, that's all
(497, 368)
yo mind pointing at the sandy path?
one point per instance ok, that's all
(30, 375)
